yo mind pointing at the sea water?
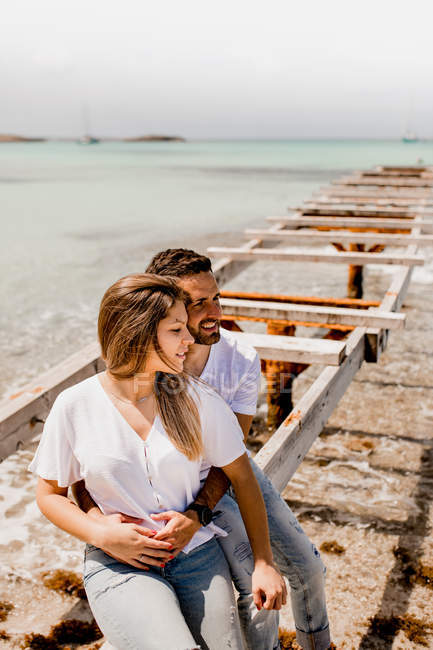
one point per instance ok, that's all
(76, 218)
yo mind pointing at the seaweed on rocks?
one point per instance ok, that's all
(67, 582)
(412, 570)
(415, 629)
(5, 608)
(67, 631)
(39, 642)
(287, 639)
(332, 546)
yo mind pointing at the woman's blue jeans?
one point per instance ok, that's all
(188, 604)
(297, 558)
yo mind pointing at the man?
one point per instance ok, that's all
(234, 371)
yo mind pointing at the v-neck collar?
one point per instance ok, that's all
(122, 417)
(211, 353)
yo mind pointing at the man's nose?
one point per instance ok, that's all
(215, 311)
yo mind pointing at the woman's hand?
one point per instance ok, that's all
(133, 544)
(269, 588)
(179, 529)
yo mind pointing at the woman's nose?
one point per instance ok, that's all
(188, 339)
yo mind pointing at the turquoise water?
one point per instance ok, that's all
(75, 218)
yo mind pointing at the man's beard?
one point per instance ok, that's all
(202, 338)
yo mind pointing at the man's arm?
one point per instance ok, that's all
(84, 501)
(217, 483)
(245, 422)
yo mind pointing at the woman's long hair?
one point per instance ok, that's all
(129, 315)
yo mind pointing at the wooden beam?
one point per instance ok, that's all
(325, 211)
(317, 237)
(384, 182)
(284, 255)
(294, 349)
(377, 339)
(227, 268)
(354, 303)
(352, 222)
(396, 206)
(312, 313)
(395, 193)
(22, 415)
(284, 452)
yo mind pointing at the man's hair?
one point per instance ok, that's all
(179, 262)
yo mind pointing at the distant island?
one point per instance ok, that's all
(9, 137)
(155, 138)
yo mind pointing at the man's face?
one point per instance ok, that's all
(204, 310)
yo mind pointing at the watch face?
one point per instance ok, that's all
(206, 516)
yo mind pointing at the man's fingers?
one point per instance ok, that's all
(161, 516)
(258, 601)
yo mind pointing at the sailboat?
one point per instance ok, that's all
(86, 139)
(409, 136)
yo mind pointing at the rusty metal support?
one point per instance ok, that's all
(279, 379)
(355, 275)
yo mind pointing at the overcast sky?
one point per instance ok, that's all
(231, 68)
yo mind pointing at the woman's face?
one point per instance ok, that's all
(174, 340)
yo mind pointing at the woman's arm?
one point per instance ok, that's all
(126, 542)
(269, 589)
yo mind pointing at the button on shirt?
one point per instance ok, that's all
(86, 437)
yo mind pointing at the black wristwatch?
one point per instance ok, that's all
(205, 514)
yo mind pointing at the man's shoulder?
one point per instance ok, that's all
(230, 344)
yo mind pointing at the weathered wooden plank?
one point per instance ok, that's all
(284, 452)
(294, 348)
(352, 222)
(354, 303)
(325, 211)
(402, 193)
(391, 207)
(225, 269)
(312, 313)
(383, 182)
(377, 339)
(282, 254)
(22, 416)
(317, 237)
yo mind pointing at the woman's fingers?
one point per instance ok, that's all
(156, 543)
(152, 561)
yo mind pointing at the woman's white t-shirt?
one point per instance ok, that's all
(86, 437)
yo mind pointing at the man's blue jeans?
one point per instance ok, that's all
(297, 558)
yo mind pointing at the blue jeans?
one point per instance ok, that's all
(187, 605)
(297, 558)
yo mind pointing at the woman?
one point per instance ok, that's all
(137, 434)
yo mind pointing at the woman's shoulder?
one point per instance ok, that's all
(78, 394)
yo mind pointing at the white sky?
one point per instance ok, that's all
(231, 68)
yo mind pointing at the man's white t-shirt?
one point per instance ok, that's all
(86, 437)
(233, 369)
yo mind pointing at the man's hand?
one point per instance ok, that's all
(269, 588)
(179, 529)
(132, 544)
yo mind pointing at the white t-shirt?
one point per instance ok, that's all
(233, 369)
(86, 437)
